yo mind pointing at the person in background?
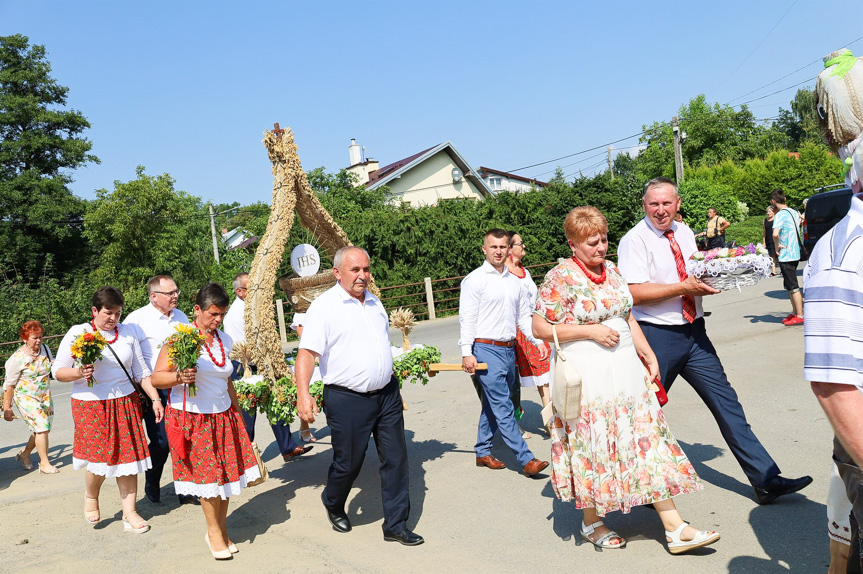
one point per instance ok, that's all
(28, 379)
(156, 322)
(235, 327)
(715, 232)
(679, 219)
(767, 237)
(787, 238)
(219, 461)
(109, 439)
(533, 371)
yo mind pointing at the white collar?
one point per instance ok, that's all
(659, 233)
(160, 315)
(347, 297)
(489, 268)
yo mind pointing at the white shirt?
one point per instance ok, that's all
(211, 381)
(235, 322)
(298, 321)
(644, 256)
(111, 381)
(155, 327)
(352, 339)
(490, 306)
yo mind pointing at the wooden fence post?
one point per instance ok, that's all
(430, 298)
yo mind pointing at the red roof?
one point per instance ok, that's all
(485, 170)
(382, 172)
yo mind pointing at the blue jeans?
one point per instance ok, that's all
(498, 412)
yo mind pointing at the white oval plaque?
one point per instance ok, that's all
(305, 260)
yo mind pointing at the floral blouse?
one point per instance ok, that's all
(29, 376)
(567, 296)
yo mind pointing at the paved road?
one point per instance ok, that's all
(473, 519)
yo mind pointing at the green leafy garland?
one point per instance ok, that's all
(278, 400)
(412, 366)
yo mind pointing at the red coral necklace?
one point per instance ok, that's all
(209, 352)
(598, 280)
(116, 331)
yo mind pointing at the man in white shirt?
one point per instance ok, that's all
(156, 323)
(491, 304)
(235, 326)
(652, 257)
(347, 328)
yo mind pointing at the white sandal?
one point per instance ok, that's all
(141, 528)
(604, 540)
(701, 538)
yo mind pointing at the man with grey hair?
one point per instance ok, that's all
(667, 305)
(156, 322)
(347, 328)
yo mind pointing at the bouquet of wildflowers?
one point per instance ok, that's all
(184, 348)
(87, 349)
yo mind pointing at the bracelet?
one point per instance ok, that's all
(157, 400)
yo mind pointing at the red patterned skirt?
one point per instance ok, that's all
(109, 437)
(532, 371)
(219, 457)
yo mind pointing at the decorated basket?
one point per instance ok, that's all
(731, 267)
(301, 291)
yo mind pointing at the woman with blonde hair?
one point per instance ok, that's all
(619, 452)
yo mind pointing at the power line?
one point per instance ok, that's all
(806, 81)
(756, 47)
(577, 153)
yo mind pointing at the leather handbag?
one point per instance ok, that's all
(566, 392)
(261, 467)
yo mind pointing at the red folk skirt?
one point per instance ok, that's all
(532, 371)
(219, 457)
(109, 437)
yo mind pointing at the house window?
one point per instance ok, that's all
(495, 183)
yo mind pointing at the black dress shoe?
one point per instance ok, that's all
(767, 492)
(406, 537)
(188, 499)
(339, 520)
(151, 489)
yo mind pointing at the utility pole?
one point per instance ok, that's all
(213, 230)
(610, 163)
(678, 154)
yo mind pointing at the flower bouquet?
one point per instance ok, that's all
(730, 267)
(184, 348)
(87, 349)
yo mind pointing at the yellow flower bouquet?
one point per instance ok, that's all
(184, 348)
(87, 349)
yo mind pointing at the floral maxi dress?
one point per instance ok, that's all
(31, 379)
(620, 452)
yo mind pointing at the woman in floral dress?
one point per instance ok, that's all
(28, 373)
(218, 460)
(619, 452)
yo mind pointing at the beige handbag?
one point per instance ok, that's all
(566, 392)
(261, 466)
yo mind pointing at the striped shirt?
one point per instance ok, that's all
(833, 288)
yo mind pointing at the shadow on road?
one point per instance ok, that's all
(767, 318)
(269, 508)
(699, 454)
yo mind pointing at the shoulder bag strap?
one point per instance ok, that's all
(795, 219)
(557, 349)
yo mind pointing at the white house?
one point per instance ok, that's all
(425, 178)
(497, 180)
(237, 238)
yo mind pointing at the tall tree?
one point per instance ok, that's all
(40, 142)
(800, 124)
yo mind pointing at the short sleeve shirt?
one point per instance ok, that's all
(787, 222)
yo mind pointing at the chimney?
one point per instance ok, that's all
(354, 153)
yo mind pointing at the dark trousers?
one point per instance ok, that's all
(158, 445)
(282, 432)
(852, 476)
(716, 241)
(686, 350)
(352, 418)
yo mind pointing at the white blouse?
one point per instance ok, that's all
(110, 380)
(211, 382)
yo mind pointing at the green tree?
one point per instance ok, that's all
(800, 123)
(40, 142)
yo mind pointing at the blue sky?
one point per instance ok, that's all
(187, 88)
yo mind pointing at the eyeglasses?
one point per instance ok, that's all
(521, 244)
(169, 293)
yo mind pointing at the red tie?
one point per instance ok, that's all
(688, 300)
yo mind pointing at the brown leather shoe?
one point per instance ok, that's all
(490, 462)
(534, 467)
